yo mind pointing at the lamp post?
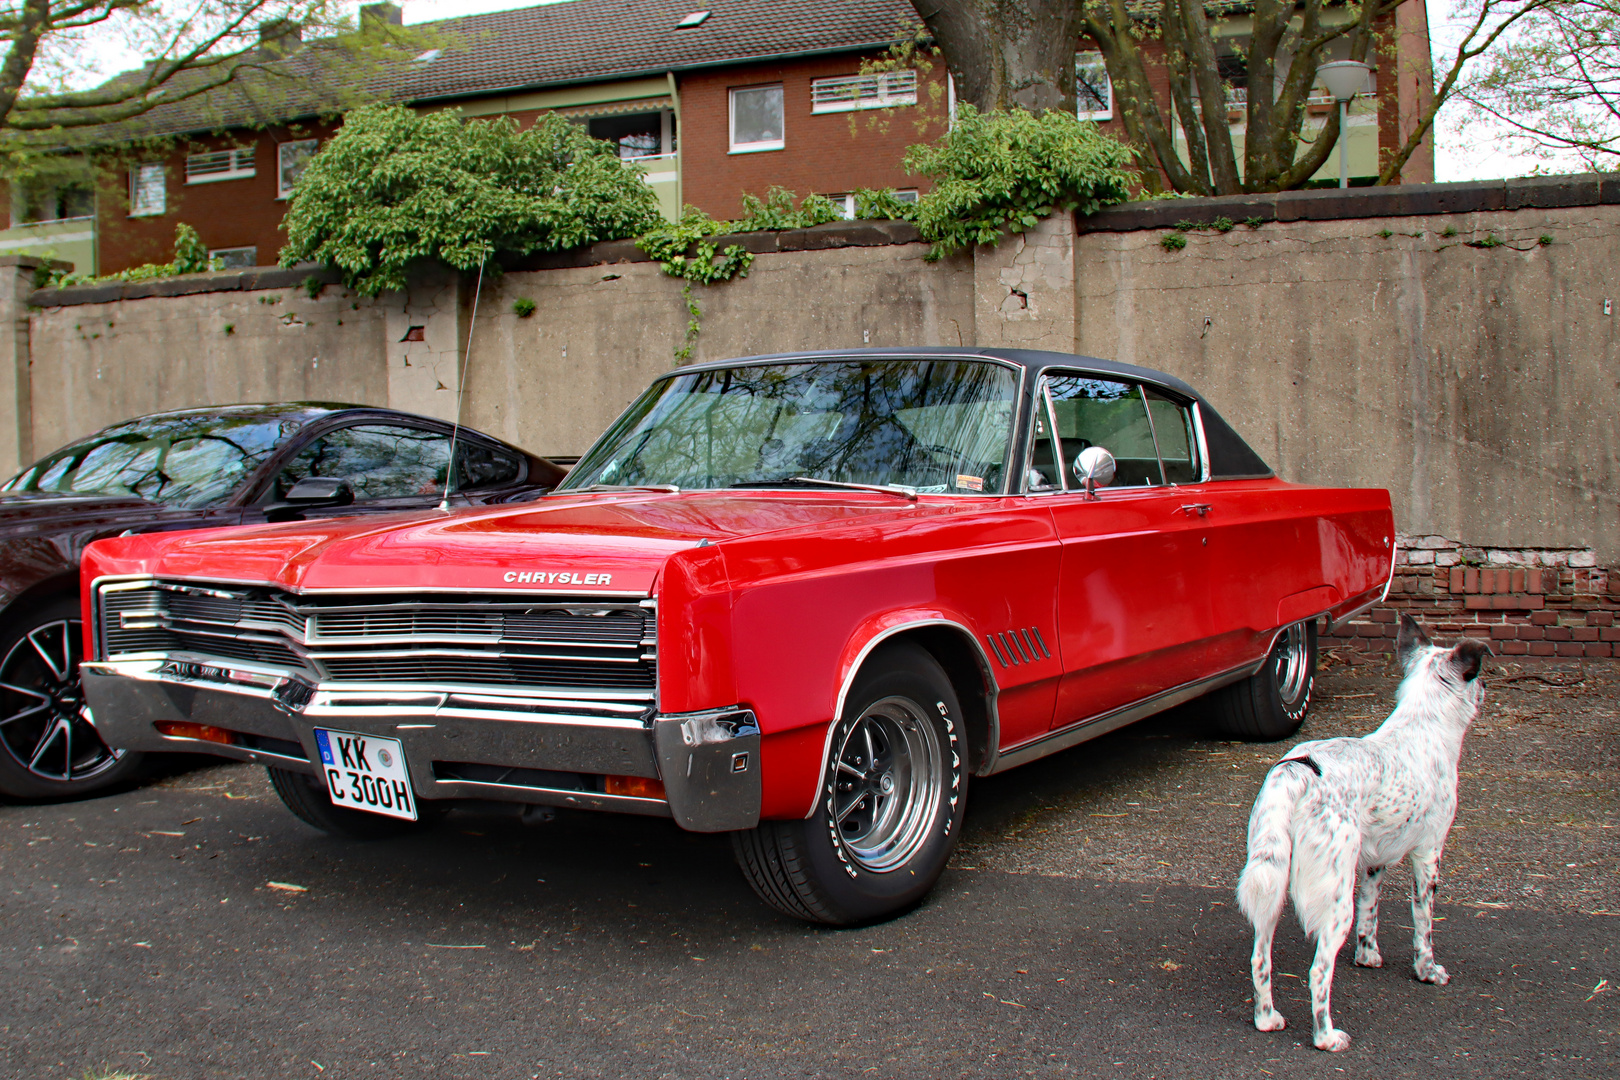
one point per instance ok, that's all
(1344, 79)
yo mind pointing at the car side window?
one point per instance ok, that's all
(479, 466)
(1090, 411)
(381, 461)
(1178, 445)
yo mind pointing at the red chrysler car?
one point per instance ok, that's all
(801, 598)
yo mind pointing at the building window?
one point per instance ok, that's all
(291, 160)
(756, 119)
(33, 205)
(636, 135)
(237, 258)
(1093, 93)
(220, 165)
(148, 195)
(884, 90)
(846, 202)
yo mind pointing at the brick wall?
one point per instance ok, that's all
(824, 153)
(1547, 602)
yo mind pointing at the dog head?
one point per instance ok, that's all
(1458, 666)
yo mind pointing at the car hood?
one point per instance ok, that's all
(589, 543)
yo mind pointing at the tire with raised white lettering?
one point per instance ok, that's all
(1272, 703)
(307, 799)
(890, 807)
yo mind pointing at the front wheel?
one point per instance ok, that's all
(891, 803)
(49, 745)
(1272, 703)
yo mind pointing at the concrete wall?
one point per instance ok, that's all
(1354, 339)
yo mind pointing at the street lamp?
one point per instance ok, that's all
(1344, 79)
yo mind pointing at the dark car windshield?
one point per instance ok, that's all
(932, 425)
(182, 460)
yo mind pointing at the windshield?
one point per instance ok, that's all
(189, 460)
(931, 425)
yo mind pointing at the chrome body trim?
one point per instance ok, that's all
(710, 766)
(1203, 444)
(1082, 730)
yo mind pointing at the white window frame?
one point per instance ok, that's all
(283, 189)
(731, 110)
(148, 207)
(847, 93)
(238, 163)
(220, 253)
(1093, 59)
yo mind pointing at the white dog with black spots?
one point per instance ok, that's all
(1336, 812)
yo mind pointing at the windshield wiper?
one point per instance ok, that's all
(618, 487)
(815, 481)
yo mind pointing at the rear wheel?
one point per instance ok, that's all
(1272, 703)
(49, 746)
(891, 802)
(306, 797)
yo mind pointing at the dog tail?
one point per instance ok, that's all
(1263, 885)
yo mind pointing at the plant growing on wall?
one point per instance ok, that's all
(686, 249)
(392, 188)
(190, 257)
(997, 172)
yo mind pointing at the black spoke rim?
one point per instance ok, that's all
(45, 725)
(889, 768)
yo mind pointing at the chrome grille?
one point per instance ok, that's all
(444, 643)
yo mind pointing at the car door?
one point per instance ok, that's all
(1132, 605)
(393, 466)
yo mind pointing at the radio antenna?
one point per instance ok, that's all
(461, 389)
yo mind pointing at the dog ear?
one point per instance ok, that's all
(1409, 639)
(1468, 658)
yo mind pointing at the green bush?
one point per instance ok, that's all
(392, 188)
(1001, 172)
(882, 205)
(190, 257)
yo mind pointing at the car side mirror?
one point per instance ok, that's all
(1094, 468)
(310, 493)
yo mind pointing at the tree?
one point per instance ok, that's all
(1554, 85)
(1006, 54)
(1256, 56)
(392, 187)
(194, 49)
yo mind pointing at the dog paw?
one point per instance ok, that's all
(1270, 1021)
(1333, 1040)
(1435, 974)
(1369, 958)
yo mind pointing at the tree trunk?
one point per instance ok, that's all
(1006, 54)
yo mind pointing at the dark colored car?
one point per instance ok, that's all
(197, 468)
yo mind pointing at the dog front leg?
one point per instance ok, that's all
(1367, 954)
(1425, 878)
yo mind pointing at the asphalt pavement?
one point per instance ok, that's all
(192, 928)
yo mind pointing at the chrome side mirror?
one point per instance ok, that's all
(1094, 468)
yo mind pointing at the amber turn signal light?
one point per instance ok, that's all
(636, 787)
(178, 730)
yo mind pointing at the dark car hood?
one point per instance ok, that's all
(49, 508)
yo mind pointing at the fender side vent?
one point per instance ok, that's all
(1015, 647)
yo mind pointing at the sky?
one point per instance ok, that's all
(1457, 155)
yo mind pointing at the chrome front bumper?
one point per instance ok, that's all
(474, 745)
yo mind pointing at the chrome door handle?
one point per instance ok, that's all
(1201, 509)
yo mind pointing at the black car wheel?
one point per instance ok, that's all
(890, 808)
(306, 797)
(49, 746)
(1272, 703)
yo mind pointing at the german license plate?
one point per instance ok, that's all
(366, 772)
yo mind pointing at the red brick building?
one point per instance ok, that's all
(710, 102)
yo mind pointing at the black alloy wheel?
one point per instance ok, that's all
(49, 746)
(890, 807)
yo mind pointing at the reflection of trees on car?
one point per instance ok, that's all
(182, 461)
(924, 424)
